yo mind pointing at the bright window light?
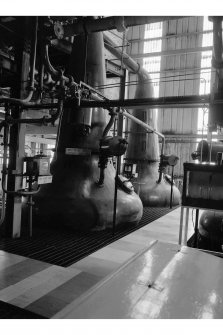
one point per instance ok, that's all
(152, 64)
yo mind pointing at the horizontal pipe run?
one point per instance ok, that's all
(42, 121)
(191, 33)
(168, 102)
(25, 193)
(90, 25)
(192, 101)
(193, 136)
(141, 123)
(27, 104)
(172, 52)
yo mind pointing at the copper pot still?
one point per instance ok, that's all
(74, 199)
(143, 149)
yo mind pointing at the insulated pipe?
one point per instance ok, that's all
(120, 23)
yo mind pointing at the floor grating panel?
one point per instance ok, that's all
(64, 248)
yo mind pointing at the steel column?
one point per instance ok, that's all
(17, 131)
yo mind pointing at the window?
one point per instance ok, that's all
(152, 64)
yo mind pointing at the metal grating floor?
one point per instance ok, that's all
(64, 248)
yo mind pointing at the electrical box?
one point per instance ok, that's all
(39, 168)
(129, 170)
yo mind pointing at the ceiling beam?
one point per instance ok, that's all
(171, 52)
(120, 23)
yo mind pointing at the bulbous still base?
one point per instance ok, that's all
(74, 200)
(155, 194)
(211, 231)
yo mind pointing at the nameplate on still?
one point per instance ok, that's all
(78, 152)
(44, 180)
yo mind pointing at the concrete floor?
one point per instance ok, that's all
(161, 283)
(49, 290)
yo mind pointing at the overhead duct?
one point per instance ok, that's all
(75, 198)
(90, 25)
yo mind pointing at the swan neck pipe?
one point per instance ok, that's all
(141, 123)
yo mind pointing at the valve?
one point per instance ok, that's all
(109, 147)
(113, 146)
(166, 160)
(58, 30)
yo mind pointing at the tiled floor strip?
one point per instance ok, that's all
(46, 290)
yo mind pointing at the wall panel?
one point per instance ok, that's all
(179, 76)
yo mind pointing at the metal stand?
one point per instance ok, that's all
(185, 228)
(181, 224)
(171, 190)
(196, 229)
(116, 193)
(30, 205)
(181, 236)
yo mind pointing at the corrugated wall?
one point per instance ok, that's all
(183, 82)
(135, 35)
(179, 75)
